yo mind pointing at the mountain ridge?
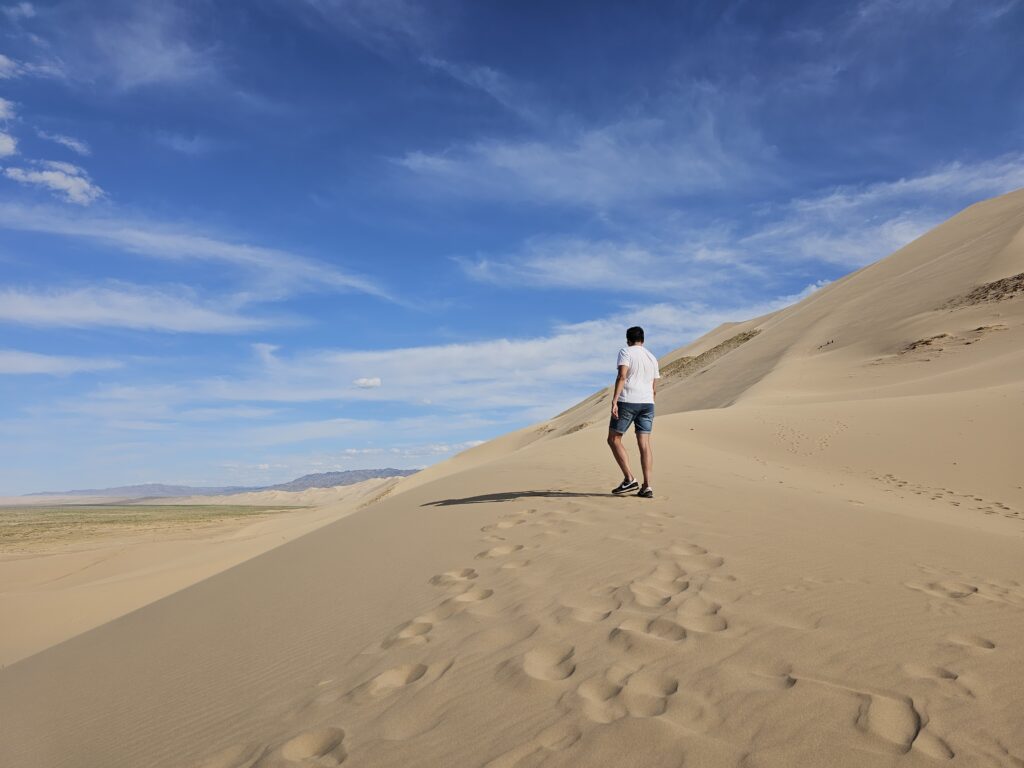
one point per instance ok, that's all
(159, 490)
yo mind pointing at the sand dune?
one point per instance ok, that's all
(61, 588)
(832, 572)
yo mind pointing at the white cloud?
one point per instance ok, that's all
(150, 45)
(856, 225)
(846, 227)
(690, 265)
(16, 362)
(7, 110)
(278, 272)
(186, 145)
(8, 145)
(490, 81)
(64, 179)
(381, 25)
(225, 413)
(9, 68)
(75, 145)
(123, 307)
(623, 163)
(694, 137)
(368, 383)
(19, 11)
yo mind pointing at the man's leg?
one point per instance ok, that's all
(619, 452)
(643, 439)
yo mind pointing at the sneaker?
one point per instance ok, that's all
(646, 492)
(626, 486)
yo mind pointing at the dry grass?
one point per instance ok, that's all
(30, 528)
(997, 290)
(687, 366)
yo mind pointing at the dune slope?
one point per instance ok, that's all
(831, 572)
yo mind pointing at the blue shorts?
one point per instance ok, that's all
(641, 414)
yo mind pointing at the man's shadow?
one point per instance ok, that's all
(487, 498)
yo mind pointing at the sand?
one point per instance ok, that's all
(831, 573)
(51, 590)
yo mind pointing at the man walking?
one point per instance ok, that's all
(633, 403)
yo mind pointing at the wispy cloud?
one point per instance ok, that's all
(19, 11)
(381, 25)
(278, 272)
(854, 225)
(186, 145)
(66, 180)
(11, 68)
(8, 145)
(149, 43)
(622, 163)
(75, 145)
(845, 227)
(498, 86)
(7, 110)
(122, 306)
(15, 362)
(690, 264)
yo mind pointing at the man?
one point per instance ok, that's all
(633, 403)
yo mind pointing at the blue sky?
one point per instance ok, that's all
(244, 241)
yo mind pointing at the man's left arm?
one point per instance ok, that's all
(620, 383)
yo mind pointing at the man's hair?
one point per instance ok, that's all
(634, 334)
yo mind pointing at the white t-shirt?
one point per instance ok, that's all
(643, 370)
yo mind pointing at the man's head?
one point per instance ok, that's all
(635, 335)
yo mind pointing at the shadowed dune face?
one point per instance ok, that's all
(830, 573)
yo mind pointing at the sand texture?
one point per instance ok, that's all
(82, 566)
(831, 573)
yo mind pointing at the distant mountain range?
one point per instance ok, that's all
(157, 490)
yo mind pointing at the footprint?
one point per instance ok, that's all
(590, 608)
(933, 746)
(646, 694)
(972, 641)
(393, 679)
(893, 719)
(324, 745)
(500, 551)
(698, 614)
(655, 590)
(237, 756)
(474, 594)
(445, 610)
(502, 525)
(449, 578)
(411, 633)
(641, 694)
(684, 548)
(659, 628)
(513, 564)
(955, 590)
(550, 662)
(933, 673)
(600, 700)
(555, 738)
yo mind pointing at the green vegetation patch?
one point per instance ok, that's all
(29, 527)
